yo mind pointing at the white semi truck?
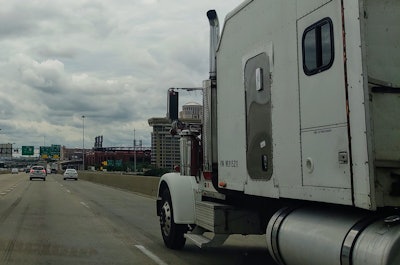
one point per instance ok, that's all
(300, 137)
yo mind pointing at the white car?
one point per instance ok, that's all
(70, 173)
(14, 171)
(37, 172)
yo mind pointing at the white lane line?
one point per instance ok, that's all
(68, 191)
(84, 204)
(151, 255)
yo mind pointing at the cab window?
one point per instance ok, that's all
(318, 47)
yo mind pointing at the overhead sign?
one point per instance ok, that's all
(52, 151)
(55, 151)
(28, 150)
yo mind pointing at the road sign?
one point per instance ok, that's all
(55, 150)
(52, 151)
(27, 150)
(118, 163)
(44, 151)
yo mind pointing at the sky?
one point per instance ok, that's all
(109, 61)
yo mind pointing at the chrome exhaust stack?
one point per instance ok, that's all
(214, 38)
(209, 137)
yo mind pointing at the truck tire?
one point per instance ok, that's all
(172, 233)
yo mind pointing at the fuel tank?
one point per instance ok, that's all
(333, 236)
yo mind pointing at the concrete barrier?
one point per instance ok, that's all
(146, 185)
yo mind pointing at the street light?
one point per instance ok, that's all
(83, 142)
(134, 151)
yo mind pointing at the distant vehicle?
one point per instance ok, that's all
(28, 169)
(14, 171)
(38, 172)
(70, 173)
(54, 171)
(48, 170)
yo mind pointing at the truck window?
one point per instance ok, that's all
(318, 48)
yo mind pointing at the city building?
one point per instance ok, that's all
(118, 158)
(6, 150)
(192, 110)
(165, 147)
(111, 158)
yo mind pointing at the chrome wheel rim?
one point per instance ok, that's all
(165, 219)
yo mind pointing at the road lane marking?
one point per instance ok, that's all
(68, 191)
(10, 189)
(84, 204)
(151, 255)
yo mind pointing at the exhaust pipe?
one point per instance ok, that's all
(209, 137)
(214, 38)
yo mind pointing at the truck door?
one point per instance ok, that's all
(258, 117)
(322, 94)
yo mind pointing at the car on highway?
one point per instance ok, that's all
(70, 173)
(38, 172)
(14, 171)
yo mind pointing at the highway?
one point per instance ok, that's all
(79, 222)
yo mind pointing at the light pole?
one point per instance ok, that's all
(134, 151)
(83, 142)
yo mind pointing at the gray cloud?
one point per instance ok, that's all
(111, 61)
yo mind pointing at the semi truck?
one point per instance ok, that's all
(300, 135)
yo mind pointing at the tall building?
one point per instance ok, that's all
(6, 150)
(192, 110)
(164, 146)
(165, 151)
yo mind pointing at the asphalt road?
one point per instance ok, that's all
(79, 222)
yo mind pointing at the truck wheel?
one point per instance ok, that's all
(172, 233)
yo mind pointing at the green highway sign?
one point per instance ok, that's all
(118, 163)
(52, 151)
(27, 150)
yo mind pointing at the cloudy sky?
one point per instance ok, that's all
(111, 61)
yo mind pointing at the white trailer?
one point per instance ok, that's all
(300, 137)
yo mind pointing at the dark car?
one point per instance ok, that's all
(38, 172)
